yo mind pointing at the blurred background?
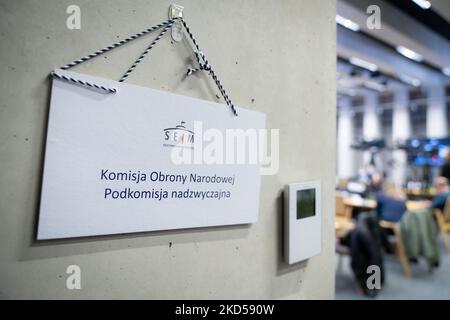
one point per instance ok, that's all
(393, 143)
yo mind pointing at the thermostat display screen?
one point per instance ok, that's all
(306, 203)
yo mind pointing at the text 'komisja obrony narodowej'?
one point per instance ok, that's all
(158, 176)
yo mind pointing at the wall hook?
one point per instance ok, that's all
(176, 11)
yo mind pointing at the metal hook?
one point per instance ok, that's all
(176, 11)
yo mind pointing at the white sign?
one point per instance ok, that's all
(116, 163)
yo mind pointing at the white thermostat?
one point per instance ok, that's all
(302, 221)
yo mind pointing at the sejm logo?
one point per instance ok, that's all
(178, 136)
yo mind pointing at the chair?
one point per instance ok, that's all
(342, 210)
(342, 225)
(399, 245)
(340, 206)
(443, 221)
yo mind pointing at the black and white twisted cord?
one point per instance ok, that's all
(138, 60)
(104, 50)
(84, 83)
(202, 62)
(120, 43)
(204, 65)
(201, 59)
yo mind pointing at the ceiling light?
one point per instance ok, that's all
(363, 64)
(409, 53)
(446, 71)
(346, 23)
(424, 4)
(375, 86)
(411, 81)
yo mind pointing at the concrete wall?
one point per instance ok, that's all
(273, 56)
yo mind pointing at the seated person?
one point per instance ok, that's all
(390, 204)
(390, 208)
(376, 183)
(442, 187)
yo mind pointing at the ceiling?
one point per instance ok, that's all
(402, 25)
(442, 7)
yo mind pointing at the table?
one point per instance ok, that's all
(359, 204)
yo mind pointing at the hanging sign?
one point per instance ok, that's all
(142, 159)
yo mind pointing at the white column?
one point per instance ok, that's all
(436, 112)
(345, 138)
(371, 121)
(401, 130)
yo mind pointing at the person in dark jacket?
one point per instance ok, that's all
(389, 208)
(366, 242)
